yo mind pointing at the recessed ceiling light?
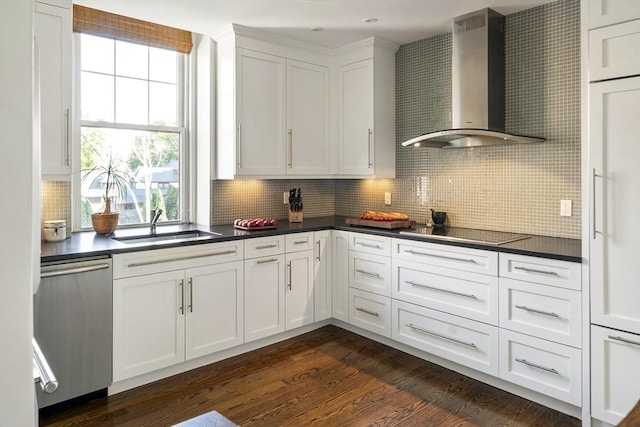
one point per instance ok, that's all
(317, 29)
(370, 20)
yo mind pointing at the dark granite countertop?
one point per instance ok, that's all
(89, 244)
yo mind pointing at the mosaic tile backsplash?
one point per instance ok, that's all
(55, 197)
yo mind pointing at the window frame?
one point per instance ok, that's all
(186, 160)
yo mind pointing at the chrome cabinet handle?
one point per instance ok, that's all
(300, 242)
(440, 289)
(181, 285)
(160, 261)
(533, 310)
(367, 311)
(594, 175)
(470, 260)
(368, 273)
(266, 246)
(239, 146)
(265, 261)
(624, 340)
(533, 270)
(369, 146)
(534, 365)
(290, 148)
(76, 270)
(425, 331)
(289, 266)
(318, 255)
(367, 245)
(190, 295)
(68, 131)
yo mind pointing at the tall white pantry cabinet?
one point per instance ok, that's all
(614, 203)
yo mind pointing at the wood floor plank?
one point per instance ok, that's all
(328, 377)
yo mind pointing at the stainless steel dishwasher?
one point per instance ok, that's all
(73, 326)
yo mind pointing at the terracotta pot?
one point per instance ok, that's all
(105, 223)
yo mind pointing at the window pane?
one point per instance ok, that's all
(162, 104)
(132, 99)
(149, 160)
(97, 97)
(96, 54)
(132, 60)
(163, 65)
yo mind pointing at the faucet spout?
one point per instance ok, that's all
(155, 216)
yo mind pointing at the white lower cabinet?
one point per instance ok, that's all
(540, 365)
(264, 280)
(166, 318)
(615, 373)
(322, 294)
(370, 311)
(340, 275)
(463, 341)
(299, 306)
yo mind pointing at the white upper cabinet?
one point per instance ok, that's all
(607, 12)
(52, 27)
(614, 51)
(366, 110)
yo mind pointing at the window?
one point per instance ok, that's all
(131, 99)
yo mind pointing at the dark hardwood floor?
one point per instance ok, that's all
(328, 377)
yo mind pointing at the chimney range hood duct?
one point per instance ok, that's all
(478, 86)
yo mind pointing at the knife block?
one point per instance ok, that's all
(295, 216)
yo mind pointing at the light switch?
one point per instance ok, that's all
(387, 199)
(565, 207)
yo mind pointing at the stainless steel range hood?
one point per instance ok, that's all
(478, 86)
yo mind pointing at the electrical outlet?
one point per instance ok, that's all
(565, 207)
(285, 198)
(387, 199)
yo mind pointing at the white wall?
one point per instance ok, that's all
(20, 187)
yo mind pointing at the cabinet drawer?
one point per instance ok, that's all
(470, 295)
(544, 366)
(370, 311)
(614, 52)
(463, 341)
(564, 274)
(157, 261)
(370, 272)
(298, 242)
(543, 311)
(615, 373)
(263, 246)
(447, 256)
(607, 12)
(370, 244)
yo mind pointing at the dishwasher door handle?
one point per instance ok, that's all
(76, 270)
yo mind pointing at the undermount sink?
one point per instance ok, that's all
(160, 238)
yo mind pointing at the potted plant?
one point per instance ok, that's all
(116, 179)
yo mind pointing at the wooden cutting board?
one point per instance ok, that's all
(405, 223)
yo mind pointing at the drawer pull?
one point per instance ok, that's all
(265, 261)
(470, 260)
(533, 310)
(624, 340)
(441, 290)
(368, 273)
(367, 245)
(318, 253)
(184, 258)
(533, 270)
(266, 246)
(367, 311)
(533, 365)
(416, 328)
(299, 242)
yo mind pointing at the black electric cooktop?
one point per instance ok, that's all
(457, 234)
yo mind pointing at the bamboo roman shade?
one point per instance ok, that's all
(100, 23)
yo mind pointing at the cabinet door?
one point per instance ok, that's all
(261, 118)
(214, 308)
(307, 119)
(52, 28)
(607, 12)
(340, 275)
(615, 373)
(355, 121)
(614, 52)
(615, 230)
(148, 323)
(264, 297)
(299, 306)
(322, 275)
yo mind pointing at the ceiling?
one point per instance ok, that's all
(400, 21)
